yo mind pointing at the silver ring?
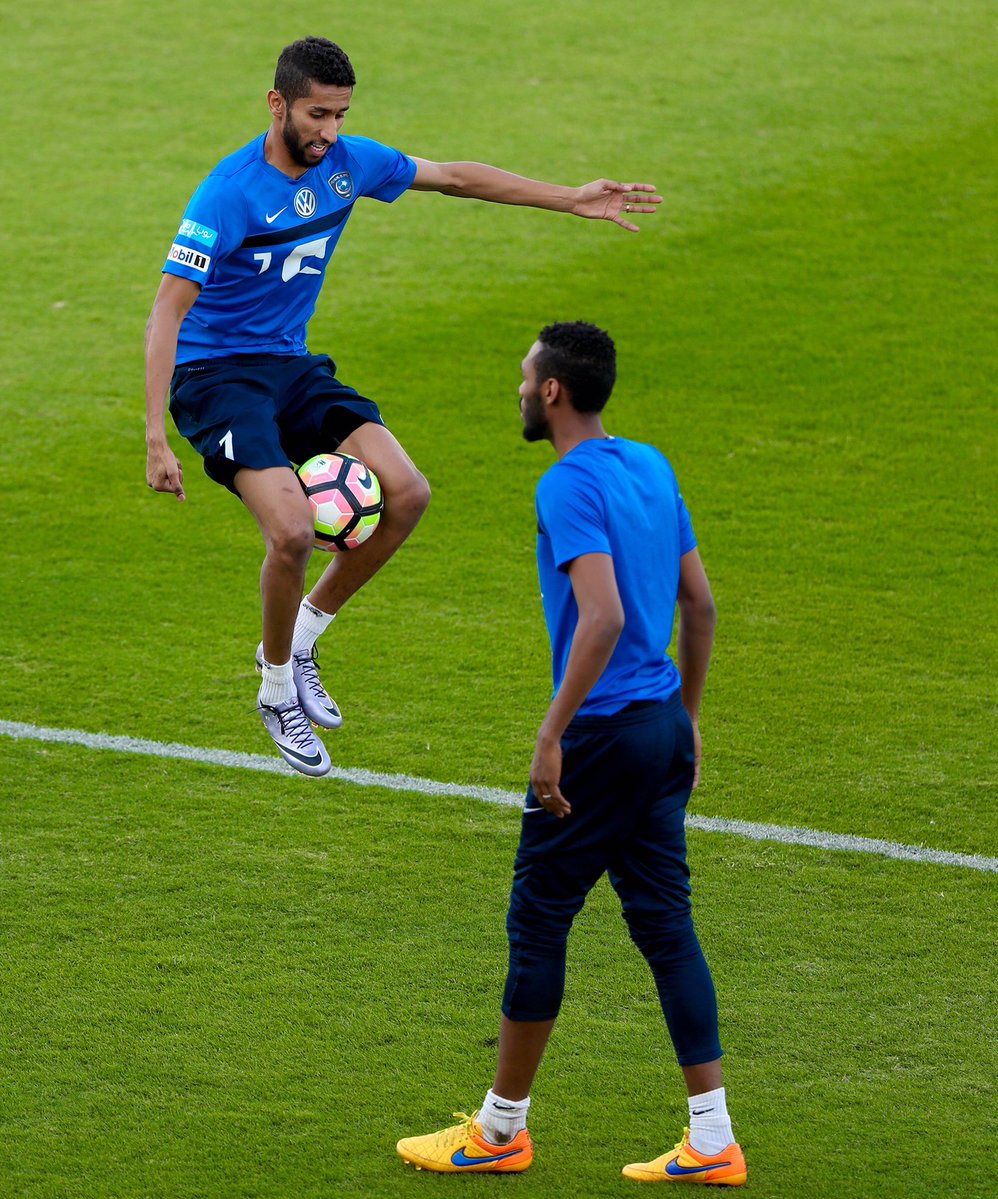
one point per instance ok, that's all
(545, 797)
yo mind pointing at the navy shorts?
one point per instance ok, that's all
(264, 410)
(628, 778)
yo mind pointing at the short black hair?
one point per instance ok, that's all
(583, 358)
(311, 60)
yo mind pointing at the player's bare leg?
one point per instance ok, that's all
(703, 1078)
(280, 508)
(406, 495)
(292, 625)
(521, 1047)
(495, 1139)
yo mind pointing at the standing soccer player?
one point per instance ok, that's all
(226, 341)
(616, 759)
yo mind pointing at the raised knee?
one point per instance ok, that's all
(291, 542)
(408, 502)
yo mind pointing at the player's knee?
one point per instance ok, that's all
(410, 500)
(539, 930)
(664, 942)
(535, 986)
(291, 542)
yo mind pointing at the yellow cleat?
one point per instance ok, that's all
(685, 1164)
(463, 1149)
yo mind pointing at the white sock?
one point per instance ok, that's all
(501, 1119)
(309, 625)
(710, 1124)
(278, 685)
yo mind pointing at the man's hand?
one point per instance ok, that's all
(174, 300)
(163, 470)
(605, 200)
(545, 776)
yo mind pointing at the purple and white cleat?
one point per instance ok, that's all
(319, 706)
(294, 737)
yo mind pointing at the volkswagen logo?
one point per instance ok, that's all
(305, 202)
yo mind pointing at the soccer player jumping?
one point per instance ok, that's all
(226, 341)
(616, 759)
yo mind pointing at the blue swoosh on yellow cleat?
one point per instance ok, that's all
(459, 1158)
(674, 1170)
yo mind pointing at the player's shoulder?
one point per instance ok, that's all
(359, 145)
(238, 170)
(363, 153)
(577, 473)
(602, 454)
(223, 199)
(642, 455)
(605, 465)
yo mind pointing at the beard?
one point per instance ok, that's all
(537, 432)
(294, 143)
(535, 427)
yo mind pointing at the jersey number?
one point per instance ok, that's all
(226, 444)
(294, 264)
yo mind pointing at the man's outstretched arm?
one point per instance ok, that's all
(601, 200)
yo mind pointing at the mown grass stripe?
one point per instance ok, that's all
(786, 835)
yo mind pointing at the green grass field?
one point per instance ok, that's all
(222, 983)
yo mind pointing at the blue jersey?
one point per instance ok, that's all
(619, 498)
(259, 242)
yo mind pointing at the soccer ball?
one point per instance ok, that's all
(345, 497)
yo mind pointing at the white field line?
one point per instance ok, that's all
(812, 838)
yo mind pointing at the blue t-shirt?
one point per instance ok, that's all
(259, 242)
(619, 498)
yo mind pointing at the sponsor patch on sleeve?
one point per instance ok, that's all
(188, 257)
(197, 232)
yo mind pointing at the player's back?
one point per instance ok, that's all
(618, 497)
(648, 526)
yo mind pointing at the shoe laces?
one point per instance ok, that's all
(308, 666)
(295, 725)
(458, 1132)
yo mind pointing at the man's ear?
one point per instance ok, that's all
(551, 391)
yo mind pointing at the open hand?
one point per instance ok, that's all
(605, 200)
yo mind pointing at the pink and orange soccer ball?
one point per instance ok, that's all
(346, 500)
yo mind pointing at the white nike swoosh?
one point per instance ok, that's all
(527, 811)
(270, 219)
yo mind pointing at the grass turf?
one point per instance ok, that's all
(220, 984)
(228, 987)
